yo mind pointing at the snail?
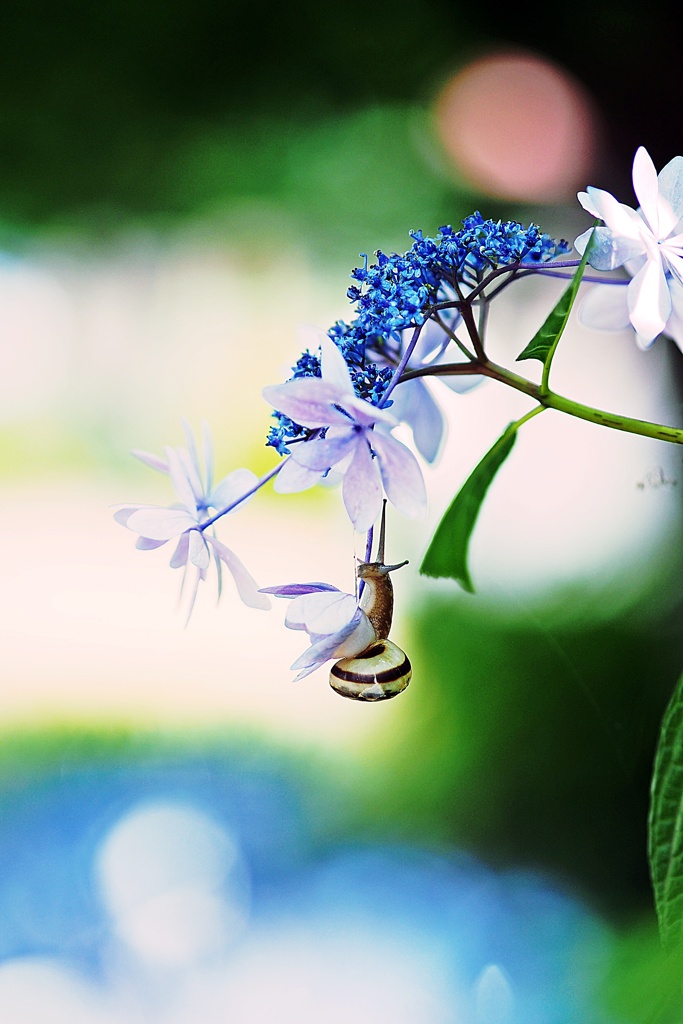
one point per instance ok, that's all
(382, 670)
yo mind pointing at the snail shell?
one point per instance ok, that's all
(381, 671)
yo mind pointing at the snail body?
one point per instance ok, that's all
(382, 670)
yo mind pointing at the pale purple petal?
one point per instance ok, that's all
(431, 342)
(605, 308)
(247, 586)
(193, 596)
(198, 551)
(191, 462)
(297, 589)
(322, 453)
(124, 512)
(147, 544)
(293, 478)
(231, 487)
(362, 635)
(366, 414)
(182, 550)
(414, 405)
(333, 366)
(401, 475)
(461, 383)
(160, 523)
(191, 472)
(207, 455)
(649, 301)
(309, 401)
(356, 635)
(181, 484)
(362, 489)
(153, 461)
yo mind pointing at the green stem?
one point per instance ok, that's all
(551, 400)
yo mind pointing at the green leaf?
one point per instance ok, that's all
(666, 823)
(447, 553)
(543, 344)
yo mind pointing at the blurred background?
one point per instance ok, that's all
(185, 834)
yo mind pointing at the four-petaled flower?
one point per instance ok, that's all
(157, 524)
(356, 443)
(648, 241)
(336, 624)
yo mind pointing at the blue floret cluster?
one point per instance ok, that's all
(396, 293)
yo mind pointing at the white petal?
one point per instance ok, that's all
(333, 366)
(192, 474)
(190, 459)
(358, 640)
(675, 262)
(179, 479)
(671, 186)
(605, 308)
(621, 219)
(646, 188)
(207, 455)
(198, 551)
(160, 523)
(247, 587)
(231, 487)
(124, 512)
(649, 301)
(354, 637)
(323, 613)
(589, 206)
(401, 476)
(609, 251)
(362, 489)
(293, 478)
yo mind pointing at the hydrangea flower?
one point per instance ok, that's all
(647, 241)
(356, 443)
(198, 498)
(334, 621)
(412, 401)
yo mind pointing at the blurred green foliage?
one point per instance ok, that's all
(103, 107)
(530, 739)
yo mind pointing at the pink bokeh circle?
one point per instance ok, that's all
(518, 127)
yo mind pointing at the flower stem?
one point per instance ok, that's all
(243, 497)
(551, 400)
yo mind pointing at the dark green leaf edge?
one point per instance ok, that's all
(447, 552)
(665, 826)
(543, 344)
